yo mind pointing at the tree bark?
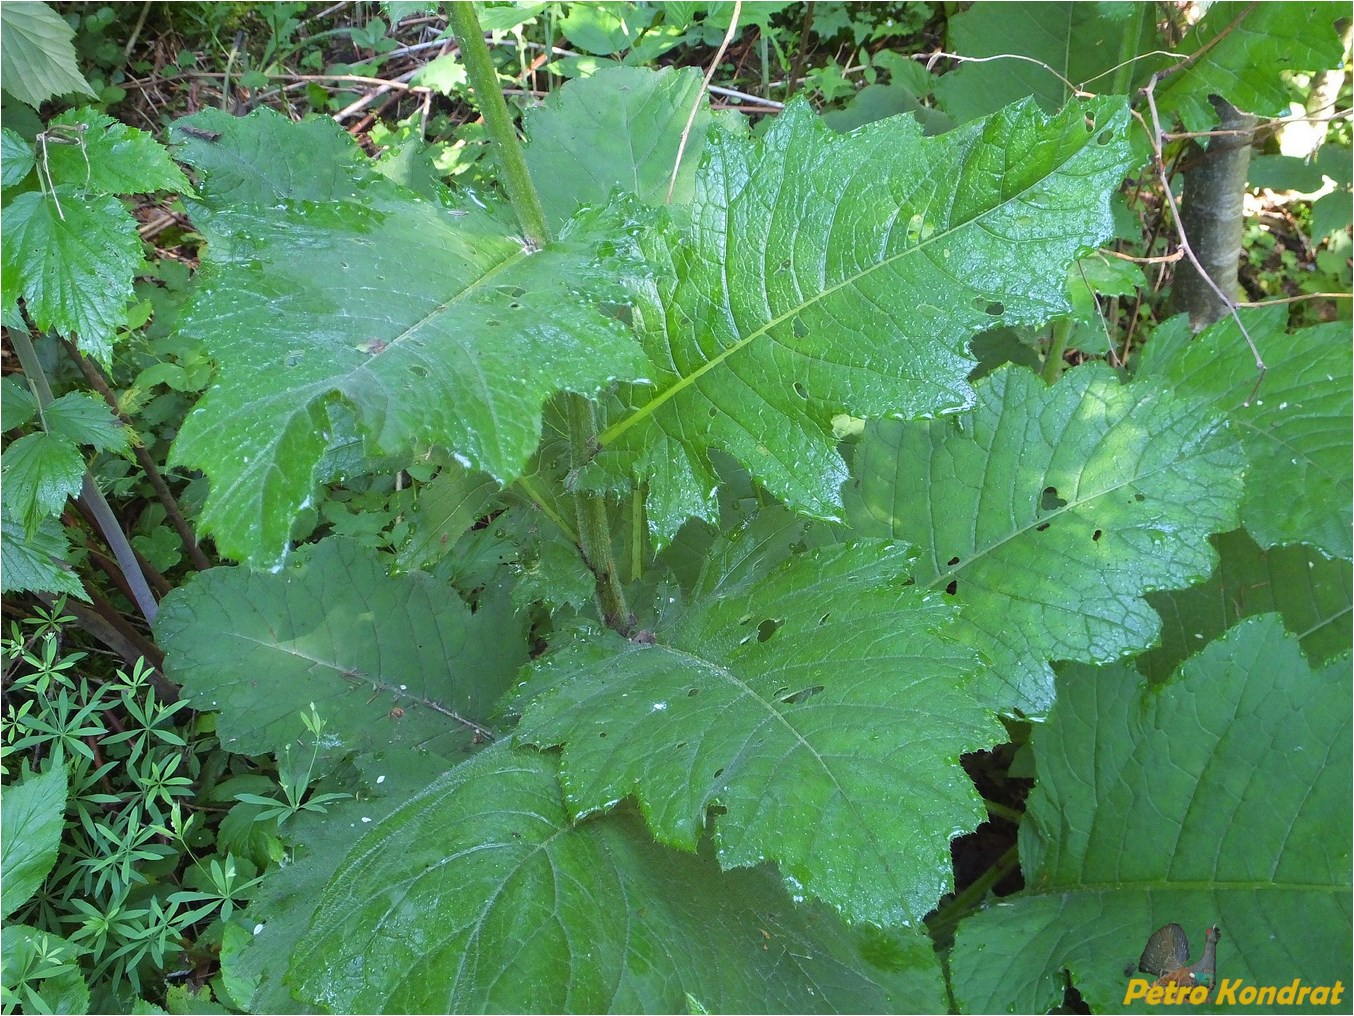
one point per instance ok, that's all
(1212, 219)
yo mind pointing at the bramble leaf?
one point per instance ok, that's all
(1220, 798)
(16, 158)
(113, 157)
(38, 59)
(815, 274)
(82, 418)
(435, 325)
(72, 258)
(33, 818)
(799, 693)
(40, 472)
(35, 562)
(1047, 513)
(481, 895)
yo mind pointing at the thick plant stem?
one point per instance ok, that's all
(1053, 361)
(89, 492)
(594, 533)
(479, 70)
(143, 458)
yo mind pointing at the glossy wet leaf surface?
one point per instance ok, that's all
(1221, 798)
(481, 895)
(1046, 513)
(434, 325)
(815, 273)
(799, 693)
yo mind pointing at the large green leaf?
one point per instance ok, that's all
(619, 128)
(38, 60)
(480, 895)
(437, 326)
(1219, 798)
(1296, 430)
(235, 158)
(30, 831)
(72, 256)
(798, 692)
(1047, 513)
(387, 661)
(816, 273)
(1089, 44)
(1238, 51)
(281, 908)
(1311, 591)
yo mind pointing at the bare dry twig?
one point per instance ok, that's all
(695, 107)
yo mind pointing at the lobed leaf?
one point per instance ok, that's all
(1296, 430)
(816, 273)
(813, 698)
(436, 326)
(481, 895)
(387, 661)
(1047, 513)
(1220, 798)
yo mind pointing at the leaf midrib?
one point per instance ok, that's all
(653, 405)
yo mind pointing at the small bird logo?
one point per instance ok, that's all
(1167, 957)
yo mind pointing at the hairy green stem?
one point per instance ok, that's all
(594, 532)
(479, 70)
(997, 810)
(949, 914)
(90, 494)
(1053, 362)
